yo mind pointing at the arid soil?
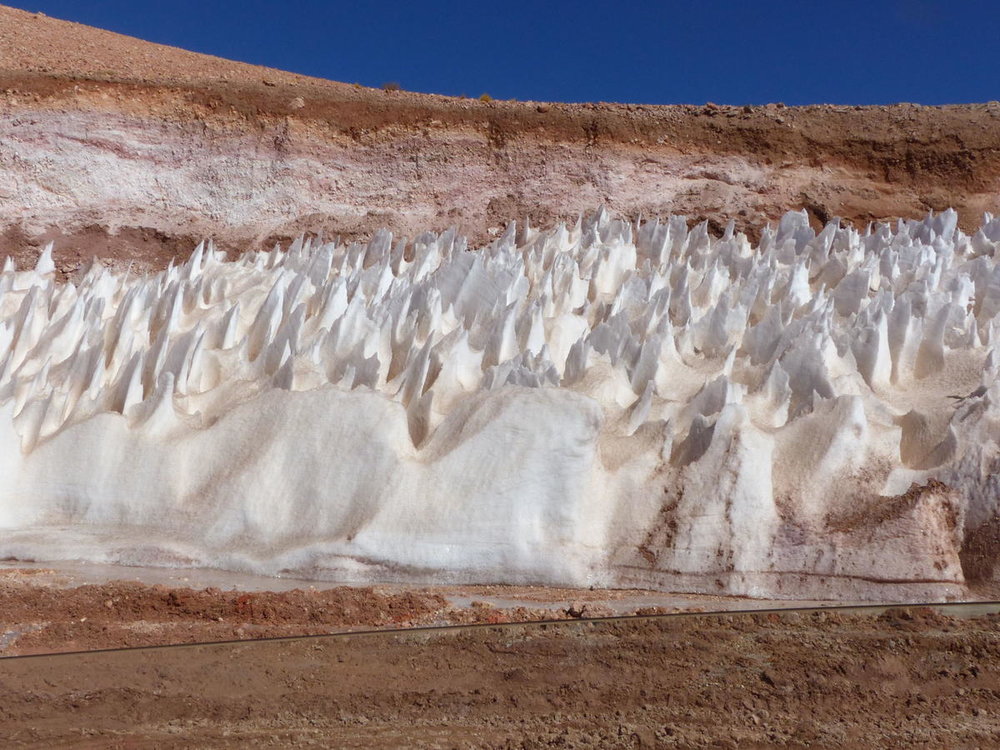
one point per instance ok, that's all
(38, 619)
(133, 151)
(910, 678)
(42, 611)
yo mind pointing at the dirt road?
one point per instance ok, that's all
(900, 679)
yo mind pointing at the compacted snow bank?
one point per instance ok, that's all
(608, 404)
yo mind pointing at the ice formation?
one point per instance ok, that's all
(607, 404)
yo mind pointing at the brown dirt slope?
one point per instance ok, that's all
(122, 147)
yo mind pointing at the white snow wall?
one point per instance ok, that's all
(606, 404)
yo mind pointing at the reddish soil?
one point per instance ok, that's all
(119, 614)
(903, 679)
(38, 617)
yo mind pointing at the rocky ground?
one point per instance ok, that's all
(905, 678)
(134, 151)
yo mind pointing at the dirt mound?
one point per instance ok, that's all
(35, 43)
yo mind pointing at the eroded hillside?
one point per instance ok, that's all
(134, 150)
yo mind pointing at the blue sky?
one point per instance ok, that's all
(728, 52)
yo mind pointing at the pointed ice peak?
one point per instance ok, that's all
(45, 264)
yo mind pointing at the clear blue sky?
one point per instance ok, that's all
(687, 51)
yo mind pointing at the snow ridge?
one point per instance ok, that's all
(611, 403)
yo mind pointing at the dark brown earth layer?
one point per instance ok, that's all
(910, 678)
